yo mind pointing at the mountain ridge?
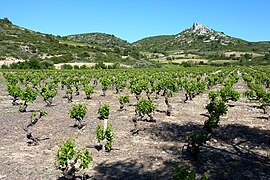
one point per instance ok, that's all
(199, 40)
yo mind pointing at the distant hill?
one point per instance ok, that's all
(103, 42)
(102, 39)
(195, 43)
(199, 38)
(17, 43)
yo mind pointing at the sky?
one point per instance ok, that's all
(132, 20)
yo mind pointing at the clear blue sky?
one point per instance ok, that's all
(132, 20)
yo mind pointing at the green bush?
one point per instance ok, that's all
(108, 135)
(88, 91)
(78, 112)
(123, 100)
(184, 173)
(66, 66)
(145, 107)
(104, 111)
(4, 66)
(69, 160)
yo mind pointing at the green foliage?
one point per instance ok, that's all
(99, 132)
(88, 91)
(28, 95)
(66, 66)
(85, 158)
(65, 154)
(188, 64)
(138, 87)
(250, 94)
(105, 83)
(197, 139)
(145, 107)
(216, 108)
(213, 95)
(4, 66)
(205, 176)
(258, 93)
(100, 65)
(47, 94)
(69, 91)
(108, 135)
(184, 173)
(34, 115)
(104, 111)
(123, 99)
(14, 90)
(78, 111)
(44, 113)
(68, 157)
(32, 64)
(77, 86)
(228, 93)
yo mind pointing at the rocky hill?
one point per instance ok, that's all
(199, 41)
(199, 38)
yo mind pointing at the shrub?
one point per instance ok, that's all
(123, 100)
(184, 173)
(88, 92)
(145, 107)
(104, 111)
(195, 140)
(66, 66)
(15, 92)
(27, 95)
(69, 160)
(4, 66)
(108, 135)
(78, 112)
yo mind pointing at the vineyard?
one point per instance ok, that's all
(167, 123)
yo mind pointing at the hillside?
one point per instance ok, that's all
(101, 39)
(198, 43)
(199, 38)
(103, 42)
(19, 44)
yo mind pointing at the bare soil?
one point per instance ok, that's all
(238, 150)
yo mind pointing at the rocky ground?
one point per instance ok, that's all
(239, 148)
